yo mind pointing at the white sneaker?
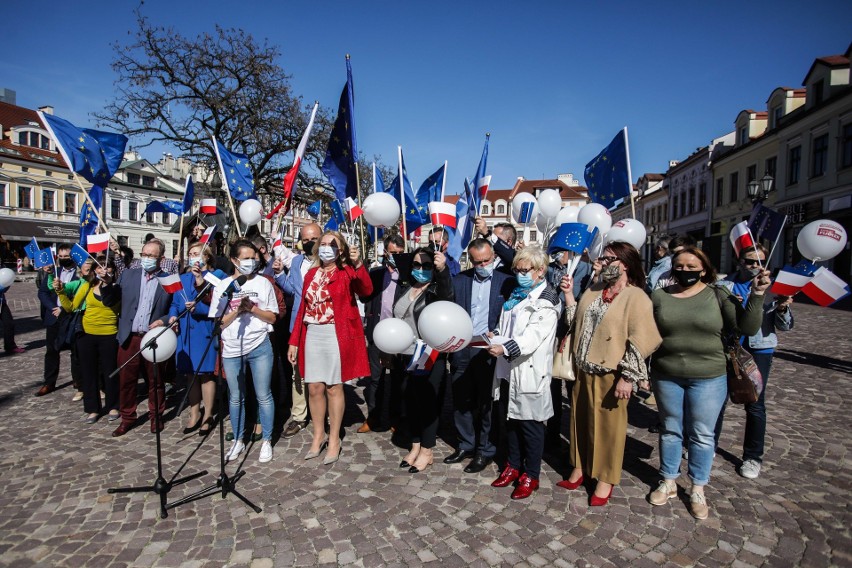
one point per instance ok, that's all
(750, 469)
(78, 396)
(698, 506)
(265, 452)
(235, 451)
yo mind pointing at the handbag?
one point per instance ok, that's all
(563, 360)
(745, 383)
(70, 326)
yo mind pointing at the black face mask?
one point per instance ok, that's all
(308, 247)
(686, 278)
(66, 263)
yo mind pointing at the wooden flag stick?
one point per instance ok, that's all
(89, 200)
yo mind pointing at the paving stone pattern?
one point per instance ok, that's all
(365, 511)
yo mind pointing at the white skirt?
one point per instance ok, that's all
(322, 355)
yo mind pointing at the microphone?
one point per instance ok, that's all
(236, 286)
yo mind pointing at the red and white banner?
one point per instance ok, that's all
(208, 206)
(353, 209)
(170, 283)
(443, 213)
(208, 233)
(97, 243)
(424, 357)
(825, 288)
(290, 178)
(789, 283)
(482, 186)
(741, 237)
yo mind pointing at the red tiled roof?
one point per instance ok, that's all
(11, 116)
(565, 190)
(654, 177)
(829, 61)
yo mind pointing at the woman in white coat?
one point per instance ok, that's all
(524, 347)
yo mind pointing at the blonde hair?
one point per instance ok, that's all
(209, 259)
(533, 254)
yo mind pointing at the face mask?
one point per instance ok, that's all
(421, 275)
(611, 273)
(389, 261)
(149, 264)
(327, 253)
(686, 278)
(66, 263)
(525, 280)
(195, 261)
(308, 248)
(484, 271)
(247, 266)
(749, 272)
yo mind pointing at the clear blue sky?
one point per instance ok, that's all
(552, 81)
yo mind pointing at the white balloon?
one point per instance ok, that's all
(381, 209)
(166, 345)
(518, 201)
(541, 223)
(549, 203)
(627, 231)
(822, 239)
(393, 335)
(445, 326)
(567, 215)
(595, 215)
(7, 277)
(250, 212)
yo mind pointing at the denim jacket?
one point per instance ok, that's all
(772, 320)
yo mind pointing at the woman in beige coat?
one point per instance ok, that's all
(613, 333)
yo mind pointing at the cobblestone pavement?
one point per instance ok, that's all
(365, 511)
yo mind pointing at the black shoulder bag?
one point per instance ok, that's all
(745, 382)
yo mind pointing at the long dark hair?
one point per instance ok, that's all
(709, 270)
(631, 260)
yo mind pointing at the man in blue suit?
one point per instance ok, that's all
(144, 306)
(481, 291)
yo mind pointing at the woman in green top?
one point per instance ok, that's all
(688, 371)
(97, 346)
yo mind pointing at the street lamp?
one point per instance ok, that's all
(759, 190)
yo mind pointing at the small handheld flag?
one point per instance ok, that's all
(208, 207)
(443, 213)
(741, 237)
(44, 258)
(575, 237)
(32, 249)
(526, 215)
(208, 233)
(423, 358)
(78, 254)
(337, 212)
(170, 283)
(766, 223)
(314, 208)
(826, 288)
(97, 243)
(353, 209)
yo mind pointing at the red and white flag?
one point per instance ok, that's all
(170, 283)
(208, 233)
(826, 288)
(97, 243)
(791, 279)
(482, 186)
(353, 209)
(424, 357)
(290, 178)
(208, 206)
(443, 213)
(741, 237)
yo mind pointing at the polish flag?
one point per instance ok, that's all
(170, 283)
(207, 234)
(353, 209)
(826, 288)
(97, 243)
(482, 186)
(208, 206)
(290, 178)
(423, 358)
(791, 279)
(443, 213)
(741, 237)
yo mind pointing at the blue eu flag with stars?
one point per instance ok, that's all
(236, 173)
(339, 163)
(607, 176)
(766, 223)
(93, 154)
(430, 190)
(44, 258)
(414, 218)
(575, 237)
(314, 208)
(170, 206)
(32, 249)
(88, 218)
(79, 254)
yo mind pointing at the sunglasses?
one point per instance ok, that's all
(607, 259)
(422, 266)
(751, 261)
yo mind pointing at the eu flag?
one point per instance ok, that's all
(413, 216)
(331, 224)
(314, 208)
(32, 249)
(44, 258)
(337, 212)
(79, 254)
(575, 237)
(170, 206)
(188, 194)
(607, 176)
(93, 154)
(766, 223)
(88, 218)
(339, 164)
(430, 190)
(236, 173)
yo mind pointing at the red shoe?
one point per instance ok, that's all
(506, 478)
(17, 350)
(596, 501)
(525, 488)
(570, 485)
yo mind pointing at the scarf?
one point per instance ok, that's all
(519, 294)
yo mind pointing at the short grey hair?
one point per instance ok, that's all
(533, 254)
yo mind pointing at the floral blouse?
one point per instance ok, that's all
(318, 308)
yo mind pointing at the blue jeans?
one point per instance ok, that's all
(755, 424)
(260, 361)
(702, 399)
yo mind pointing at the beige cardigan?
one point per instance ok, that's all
(630, 317)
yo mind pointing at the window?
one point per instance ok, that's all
(777, 113)
(166, 218)
(148, 181)
(683, 204)
(133, 178)
(751, 173)
(115, 208)
(735, 182)
(819, 158)
(48, 200)
(533, 236)
(174, 249)
(794, 164)
(25, 196)
(661, 213)
(70, 202)
(25, 169)
(846, 144)
(743, 135)
(691, 205)
(720, 187)
(770, 166)
(2, 195)
(133, 210)
(817, 90)
(486, 209)
(149, 217)
(702, 196)
(501, 209)
(674, 207)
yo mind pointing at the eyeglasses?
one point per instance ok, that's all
(607, 259)
(422, 266)
(752, 261)
(523, 270)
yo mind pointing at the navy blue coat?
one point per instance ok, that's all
(129, 283)
(195, 331)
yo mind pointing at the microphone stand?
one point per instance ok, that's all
(224, 483)
(160, 486)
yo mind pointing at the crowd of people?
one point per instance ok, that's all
(301, 325)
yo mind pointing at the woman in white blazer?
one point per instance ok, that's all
(524, 348)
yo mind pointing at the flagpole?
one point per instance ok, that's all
(358, 192)
(180, 238)
(778, 236)
(375, 229)
(444, 181)
(629, 175)
(760, 264)
(402, 198)
(89, 200)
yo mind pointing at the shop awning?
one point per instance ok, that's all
(42, 229)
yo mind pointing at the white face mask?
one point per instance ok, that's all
(247, 266)
(327, 253)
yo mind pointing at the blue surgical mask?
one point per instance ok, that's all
(327, 253)
(525, 280)
(421, 275)
(148, 264)
(195, 261)
(484, 271)
(247, 266)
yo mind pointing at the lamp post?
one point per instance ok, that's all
(758, 191)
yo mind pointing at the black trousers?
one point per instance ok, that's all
(383, 393)
(8, 327)
(473, 402)
(526, 446)
(100, 353)
(52, 358)
(423, 403)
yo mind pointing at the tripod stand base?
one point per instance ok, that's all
(161, 487)
(225, 485)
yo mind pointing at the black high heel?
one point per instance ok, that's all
(194, 427)
(207, 426)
